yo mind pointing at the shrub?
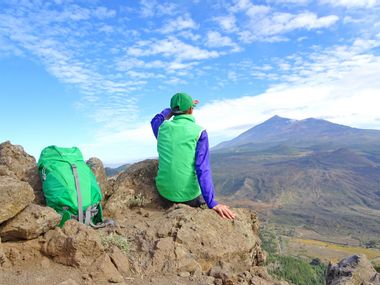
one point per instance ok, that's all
(114, 240)
(136, 201)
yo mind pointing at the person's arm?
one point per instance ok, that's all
(203, 170)
(157, 120)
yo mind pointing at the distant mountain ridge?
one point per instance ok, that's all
(278, 130)
(310, 172)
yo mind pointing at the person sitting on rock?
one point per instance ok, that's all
(184, 171)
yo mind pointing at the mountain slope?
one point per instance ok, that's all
(304, 173)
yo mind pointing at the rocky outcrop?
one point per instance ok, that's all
(97, 168)
(14, 161)
(353, 270)
(15, 195)
(80, 246)
(190, 243)
(134, 187)
(33, 221)
(193, 240)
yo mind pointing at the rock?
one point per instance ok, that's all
(134, 187)
(97, 168)
(17, 253)
(353, 270)
(184, 274)
(104, 270)
(75, 245)
(15, 195)
(33, 221)
(120, 261)
(23, 166)
(179, 242)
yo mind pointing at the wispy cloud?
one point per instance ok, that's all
(215, 39)
(152, 8)
(61, 37)
(178, 24)
(171, 47)
(352, 3)
(266, 23)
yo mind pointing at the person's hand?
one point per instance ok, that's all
(224, 211)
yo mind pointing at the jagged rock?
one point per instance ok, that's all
(75, 244)
(15, 195)
(97, 168)
(33, 221)
(13, 159)
(134, 187)
(353, 270)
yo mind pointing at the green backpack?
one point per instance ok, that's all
(69, 185)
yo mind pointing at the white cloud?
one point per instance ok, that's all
(180, 23)
(103, 13)
(296, 2)
(352, 3)
(151, 8)
(215, 39)
(227, 23)
(266, 23)
(280, 23)
(134, 143)
(171, 47)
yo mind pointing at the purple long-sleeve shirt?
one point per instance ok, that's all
(202, 160)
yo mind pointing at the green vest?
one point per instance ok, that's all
(176, 144)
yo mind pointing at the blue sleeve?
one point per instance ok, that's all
(203, 170)
(158, 120)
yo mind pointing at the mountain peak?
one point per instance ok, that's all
(310, 131)
(277, 118)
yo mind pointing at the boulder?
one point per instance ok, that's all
(13, 159)
(353, 270)
(80, 246)
(15, 195)
(135, 187)
(75, 245)
(194, 240)
(30, 223)
(97, 168)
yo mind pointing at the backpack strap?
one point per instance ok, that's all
(106, 223)
(79, 194)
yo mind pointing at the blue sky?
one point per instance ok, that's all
(93, 73)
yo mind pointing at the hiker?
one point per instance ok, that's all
(184, 171)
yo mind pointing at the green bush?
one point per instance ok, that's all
(296, 270)
(292, 269)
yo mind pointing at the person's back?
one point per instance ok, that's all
(184, 171)
(176, 143)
